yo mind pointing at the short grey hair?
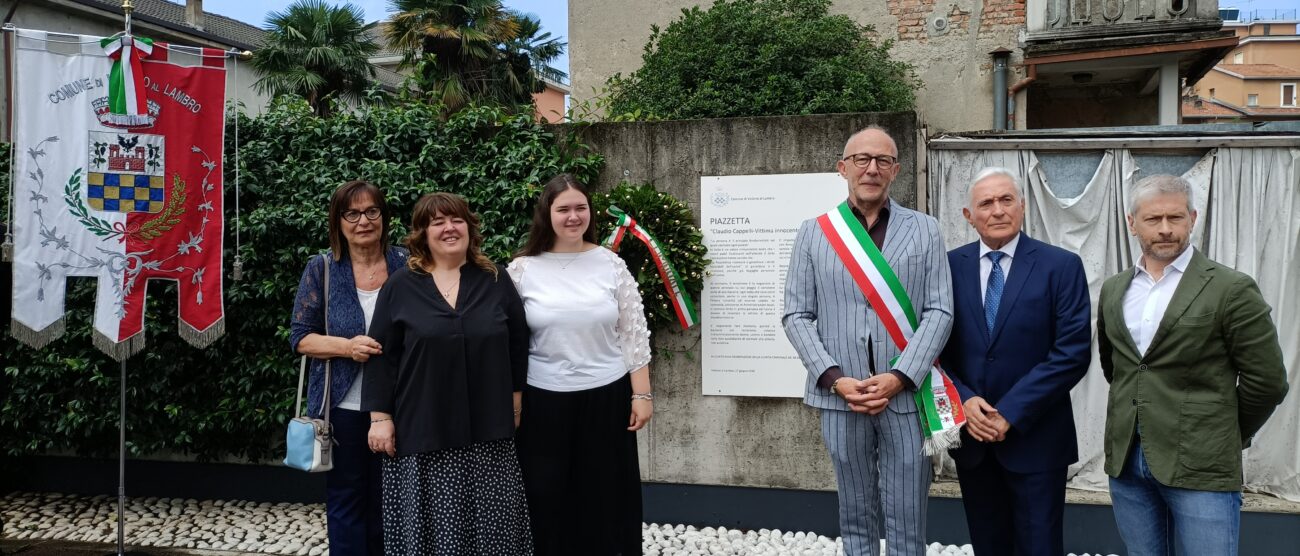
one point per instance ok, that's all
(1156, 185)
(991, 171)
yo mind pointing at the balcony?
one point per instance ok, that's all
(1117, 62)
(1101, 21)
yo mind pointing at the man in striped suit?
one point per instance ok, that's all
(857, 376)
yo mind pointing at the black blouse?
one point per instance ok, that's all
(446, 375)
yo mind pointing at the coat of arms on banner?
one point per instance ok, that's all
(125, 173)
(118, 149)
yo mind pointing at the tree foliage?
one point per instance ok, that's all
(472, 52)
(317, 51)
(759, 58)
(234, 398)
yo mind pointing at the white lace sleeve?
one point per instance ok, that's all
(516, 270)
(632, 333)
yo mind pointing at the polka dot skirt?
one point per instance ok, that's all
(458, 501)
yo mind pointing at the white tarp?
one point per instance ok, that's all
(1249, 205)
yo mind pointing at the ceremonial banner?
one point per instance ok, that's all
(118, 161)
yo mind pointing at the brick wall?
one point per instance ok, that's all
(914, 16)
(1002, 13)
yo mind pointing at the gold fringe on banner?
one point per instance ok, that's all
(36, 339)
(202, 338)
(119, 351)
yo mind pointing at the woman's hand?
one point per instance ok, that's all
(517, 401)
(382, 438)
(642, 410)
(361, 347)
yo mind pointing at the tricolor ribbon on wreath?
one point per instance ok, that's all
(681, 301)
(939, 406)
(118, 177)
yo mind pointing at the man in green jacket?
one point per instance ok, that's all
(1195, 369)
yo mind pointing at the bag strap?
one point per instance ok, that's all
(326, 401)
(302, 367)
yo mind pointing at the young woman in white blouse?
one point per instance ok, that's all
(588, 388)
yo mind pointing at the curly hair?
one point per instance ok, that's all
(446, 204)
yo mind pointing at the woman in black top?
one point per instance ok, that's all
(444, 395)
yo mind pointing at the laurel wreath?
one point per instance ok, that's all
(170, 215)
(165, 221)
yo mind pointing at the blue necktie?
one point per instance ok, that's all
(993, 293)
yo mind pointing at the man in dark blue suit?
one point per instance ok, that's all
(1021, 339)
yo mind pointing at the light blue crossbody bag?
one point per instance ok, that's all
(308, 442)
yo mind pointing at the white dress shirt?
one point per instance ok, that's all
(1146, 299)
(986, 264)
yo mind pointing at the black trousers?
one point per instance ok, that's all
(581, 473)
(1013, 514)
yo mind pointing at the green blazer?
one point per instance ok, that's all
(1210, 378)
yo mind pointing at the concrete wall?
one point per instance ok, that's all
(1226, 88)
(953, 64)
(548, 105)
(79, 20)
(717, 440)
(1280, 53)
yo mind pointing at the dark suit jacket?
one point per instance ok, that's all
(1039, 349)
(1210, 378)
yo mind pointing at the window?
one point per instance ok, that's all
(1252, 100)
(1288, 94)
(1211, 92)
(1238, 58)
(1268, 29)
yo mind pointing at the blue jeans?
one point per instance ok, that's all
(1152, 517)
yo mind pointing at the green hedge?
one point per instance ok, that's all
(233, 398)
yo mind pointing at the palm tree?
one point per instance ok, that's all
(317, 51)
(473, 51)
(452, 45)
(530, 53)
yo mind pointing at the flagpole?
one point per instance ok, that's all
(128, 6)
(121, 461)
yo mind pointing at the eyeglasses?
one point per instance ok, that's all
(863, 160)
(354, 216)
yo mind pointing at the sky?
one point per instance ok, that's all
(554, 14)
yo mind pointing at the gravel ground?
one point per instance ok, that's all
(299, 529)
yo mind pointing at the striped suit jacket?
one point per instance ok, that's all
(830, 323)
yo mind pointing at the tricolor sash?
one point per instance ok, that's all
(939, 405)
(126, 84)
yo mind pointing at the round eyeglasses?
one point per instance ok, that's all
(354, 216)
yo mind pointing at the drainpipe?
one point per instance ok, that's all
(999, 88)
(1031, 75)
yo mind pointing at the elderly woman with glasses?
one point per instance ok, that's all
(360, 260)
